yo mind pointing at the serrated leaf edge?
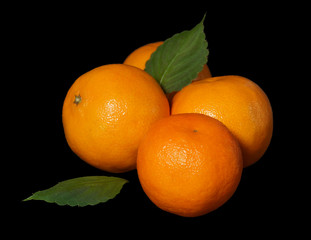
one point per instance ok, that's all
(160, 81)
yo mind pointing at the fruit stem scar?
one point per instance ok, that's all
(195, 130)
(77, 99)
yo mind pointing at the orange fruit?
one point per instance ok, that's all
(141, 55)
(106, 113)
(237, 102)
(205, 73)
(189, 164)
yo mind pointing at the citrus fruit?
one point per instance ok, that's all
(107, 111)
(141, 55)
(189, 164)
(237, 102)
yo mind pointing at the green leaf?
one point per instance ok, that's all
(81, 191)
(179, 59)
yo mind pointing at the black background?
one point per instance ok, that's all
(51, 46)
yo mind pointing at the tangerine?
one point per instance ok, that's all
(189, 164)
(106, 113)
(141, 55)
(237, 102)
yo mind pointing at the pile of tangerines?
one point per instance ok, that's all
(189, 147)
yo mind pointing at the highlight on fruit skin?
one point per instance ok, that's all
(237, 102)
(106, 113)
(189, 164)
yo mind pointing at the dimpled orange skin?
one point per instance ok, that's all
(189, 164)
(118, 103)
(237, 102)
